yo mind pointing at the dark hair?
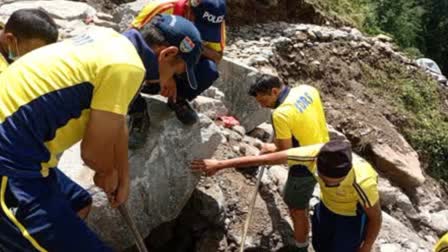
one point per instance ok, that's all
(32, 23)
(152, 34)
(264, 84)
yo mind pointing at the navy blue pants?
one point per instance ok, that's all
(206, 74)
(337, 233)
(41, 215)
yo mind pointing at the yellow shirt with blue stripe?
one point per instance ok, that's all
(46, 97)
(168, 7)
(360, 186)
(442, 245)
(3, 63)
(300, 115)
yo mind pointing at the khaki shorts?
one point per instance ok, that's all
(299, 187)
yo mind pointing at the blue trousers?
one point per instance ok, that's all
(206, 74)
(337, 233)
(41, 215)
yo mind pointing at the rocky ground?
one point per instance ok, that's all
(343, 63)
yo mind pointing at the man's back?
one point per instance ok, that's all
(359, 187)
(46, 97)
(301, 116)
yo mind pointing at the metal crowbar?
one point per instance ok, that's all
(131, 225)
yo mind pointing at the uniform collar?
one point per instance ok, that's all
(282, 96)
(147, 55)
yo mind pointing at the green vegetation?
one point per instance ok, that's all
(419, 27)
(417, 100)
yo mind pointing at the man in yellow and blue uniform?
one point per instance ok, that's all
(25, 30)
(53, 97)
(348, 217)
(298, 120)
(209, 17)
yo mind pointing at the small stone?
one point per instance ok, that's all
(383, 38)
(301, 36)
(239, 129)
(365, 45)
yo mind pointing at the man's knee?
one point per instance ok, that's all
(298, 213)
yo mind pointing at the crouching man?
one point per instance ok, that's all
(348, 217)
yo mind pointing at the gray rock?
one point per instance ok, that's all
(58, 9)
(301, 36)
(210, 107)
(235, 81)
(257, 60)
(279, 175)
(125, 13)
(335, 134)
(211, 203)
(239, 129)
(264, 132)
(401, 166)
(394, 232)
(383, 38)
(161, 182)
(213, 92)
(439, 222)
(390, 247)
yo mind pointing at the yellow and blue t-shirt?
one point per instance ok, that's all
(180, 8)
(3, 63)
(360, 186)
(442, 244)
(299, 115)
(46, 97)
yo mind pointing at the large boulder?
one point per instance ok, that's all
(398, 162)
(161, 180)
(58, 9)
(72, 18)
(235, 80)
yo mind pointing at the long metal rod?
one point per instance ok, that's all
(251, 208)
(131, 224)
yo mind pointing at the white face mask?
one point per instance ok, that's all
(11, 55)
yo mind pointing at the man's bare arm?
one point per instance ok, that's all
(373, 227)
(210, 166)
(98, 148)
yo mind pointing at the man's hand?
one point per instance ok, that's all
(212, 54)
(107, 181)
(365, 247)
(121, 194)
(268, 148)
(169, 89)
(209, 166)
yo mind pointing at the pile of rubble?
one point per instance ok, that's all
(182, 211)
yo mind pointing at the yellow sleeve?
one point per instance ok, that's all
(116, 86)
(305, 155)
(151, 10)
(367, 191)
(3, 64)
(280, 121)
(442, 244)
